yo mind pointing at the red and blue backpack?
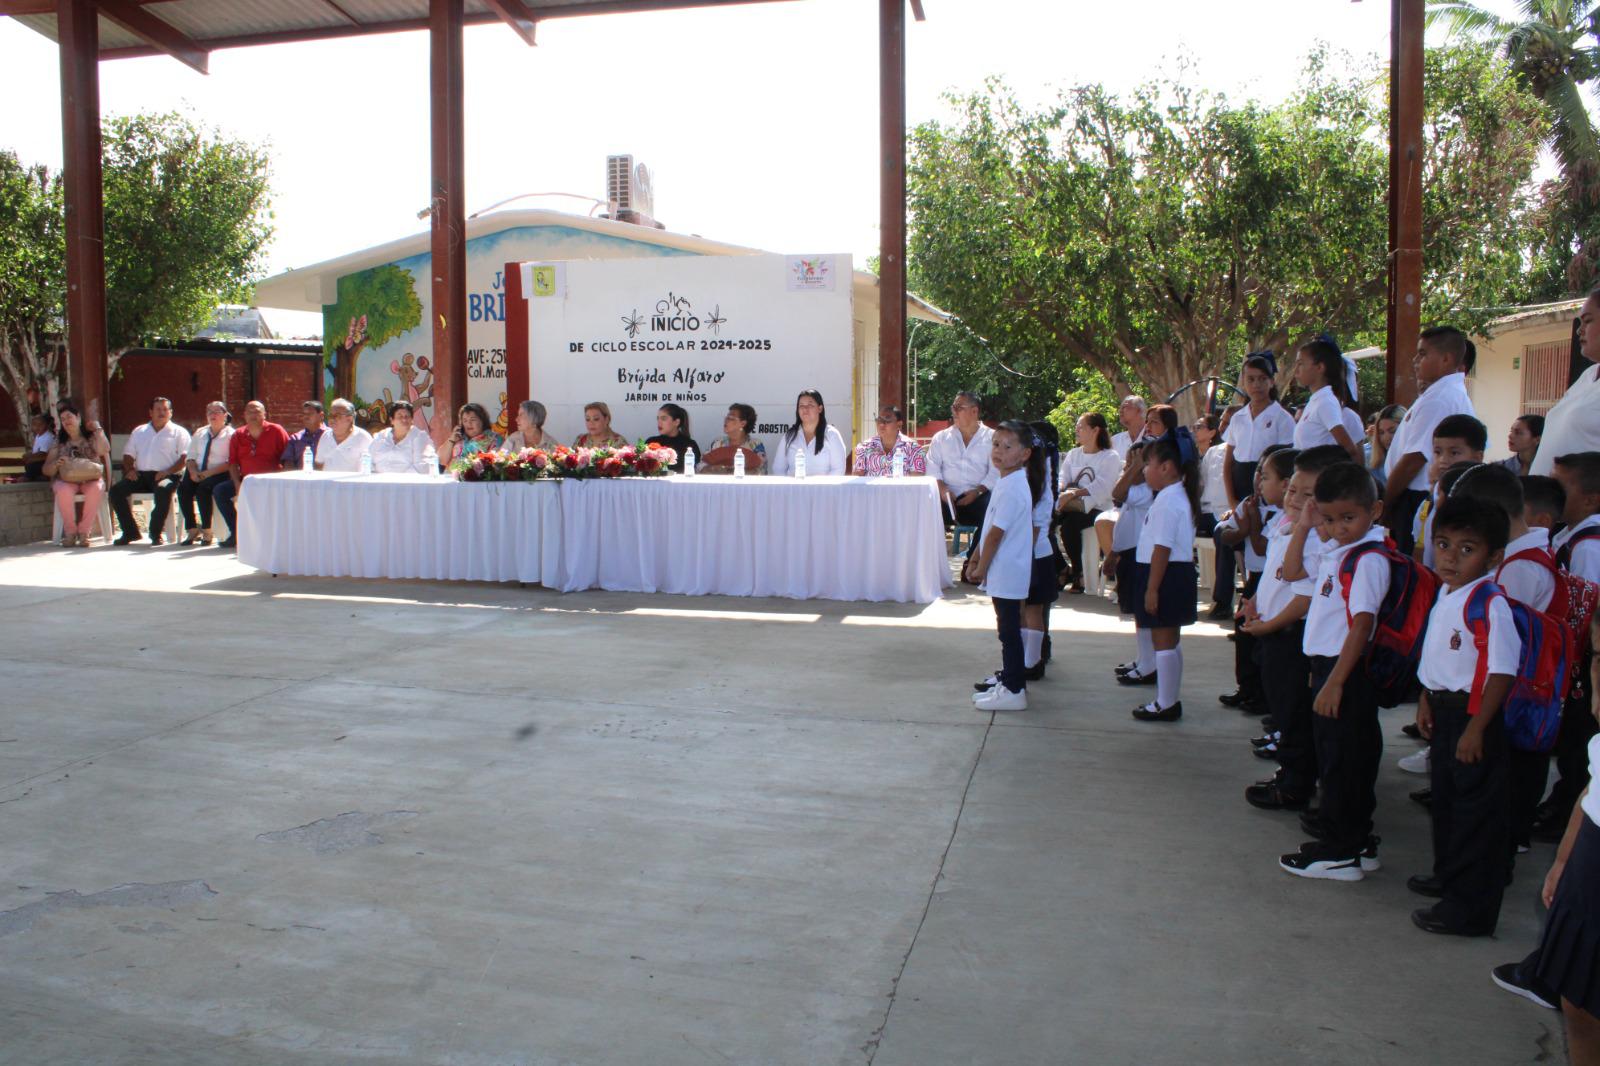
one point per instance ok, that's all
(1532, 709)
(1399, 623)
(1573, 602)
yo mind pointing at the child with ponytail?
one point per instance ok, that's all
(1164, 565)
(1321, 369)
(1005, 561)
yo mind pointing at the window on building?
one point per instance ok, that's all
(1544, 375)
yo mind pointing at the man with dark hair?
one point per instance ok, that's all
(311, 436)
(153, 461)
(1444, 355)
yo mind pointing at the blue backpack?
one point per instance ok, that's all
(1532, 711)
(1399, 623)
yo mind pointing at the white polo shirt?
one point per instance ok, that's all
(1327, 624)
(1274, 593)
(1524, 580)
(414, 455)
(1043, 512)
(1585, 561)
(1572, 425)
(1414, 435)
(1250, 435)
(344, 458)
(1130, 518)
(1169, 523)
(158, 449)
(219, 447)
(1317, 419)
(1449, 653)
(1010, 510)
(963, 465)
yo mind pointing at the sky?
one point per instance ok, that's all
(759, 123)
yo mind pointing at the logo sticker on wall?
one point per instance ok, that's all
(544, 279)
(811, 273)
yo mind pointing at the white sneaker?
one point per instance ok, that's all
(1417, 762)
(1001, 698)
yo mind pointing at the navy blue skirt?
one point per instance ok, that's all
(1569, 949)
(1042, 586)
(1175, 600)
(1128, 594)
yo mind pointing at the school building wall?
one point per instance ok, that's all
(191, 382)
(1522, 369)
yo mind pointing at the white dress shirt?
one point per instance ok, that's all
(1130, 518)
(1097, 472)
(1121, 442)
(1449, 653)
(1585, 561)
(1213, 486)
(1572, 425)
(1318, 418)
(829, 461)
(1414, 435)
(1274, 594)
(963, 465)
(1526, 580)
(345, 458)
(414, 455)
(1169, 523)
(1250, 435)
(157, 449)
(1010, 509)
(219, 447)
(1327, 624)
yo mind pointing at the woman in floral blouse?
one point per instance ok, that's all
(875, 457)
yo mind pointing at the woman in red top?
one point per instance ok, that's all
(255, 449)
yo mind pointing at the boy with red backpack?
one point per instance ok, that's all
(1470, 659)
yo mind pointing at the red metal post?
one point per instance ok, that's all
(517, 313)
(1405, 198)
(892, 203)
(79, 33)
(449, 217)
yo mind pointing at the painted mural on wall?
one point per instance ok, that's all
(379, 337)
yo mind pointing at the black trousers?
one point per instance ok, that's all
(1572, 753)
(1349, 749)
(1008, 623)
(1405, 515)
(969, 514)
(162, 485)
(1286, 683)
(1222, 583)
(1528, 772)
(1246, 662)
(192, 492)
(1069, 534)
(1471, 814)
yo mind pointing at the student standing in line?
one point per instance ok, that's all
(1320, 368)
(1164, 565)
(1444, 356)
(1004, 565)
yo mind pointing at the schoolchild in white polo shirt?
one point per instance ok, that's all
(1460, 712)
(1444, 358)
(1164, 565)
(1004, 566)
(1246, 529)
(1319, 368)
(1133, 498)
(1345, 712)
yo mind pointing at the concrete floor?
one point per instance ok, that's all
(375, 822)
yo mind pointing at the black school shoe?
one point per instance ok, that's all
(1427, 919)
(1423, 797)
(1410, 729)
(1152, 712)
(1134, 677)
(1269, 796)
(1550, 828)
(1237, 698)
(1426, 885)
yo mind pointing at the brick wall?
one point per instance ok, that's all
(192, 382)
(25, 513)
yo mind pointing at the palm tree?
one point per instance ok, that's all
(1554, 49)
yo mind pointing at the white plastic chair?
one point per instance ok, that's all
(174, 526)
(77, 498)
(1094, 582)
(1206, 556)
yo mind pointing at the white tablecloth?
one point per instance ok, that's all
(399, 526)
(837, 538)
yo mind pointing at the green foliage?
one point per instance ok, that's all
(32, 283)
(187, 224)
(1155, 237)
(1091, 392)
(386, 295)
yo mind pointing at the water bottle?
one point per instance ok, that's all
(306, 459)
(738, 463)
(799, 462)
(366, 462)
(688, 462)
(897, 468)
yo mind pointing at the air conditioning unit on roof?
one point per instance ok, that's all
(628, 191)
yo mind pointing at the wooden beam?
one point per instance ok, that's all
(515, 13)
(85, 214)
(341, 12)
(159, 35)
(892, 203)
(448, 219)
(1405, 199)
(916, 11)
(48, 7)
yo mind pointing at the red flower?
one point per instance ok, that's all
(647, 464)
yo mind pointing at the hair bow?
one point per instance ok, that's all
(1187, 452)
(1352, 379)
(1268, 356)
(1327, 338)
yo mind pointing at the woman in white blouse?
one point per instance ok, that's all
(204, 470)
(350, 442)
(1254, 427)
(1321, 369)
(1087, 476)
(402, 448)
(823, 446)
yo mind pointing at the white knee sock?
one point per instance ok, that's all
(1169, 676)
(1032, 647)
(1147, 652)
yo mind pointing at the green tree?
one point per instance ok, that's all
(1552, 51)
(371, 307)
(32, 284)
(1152, 237)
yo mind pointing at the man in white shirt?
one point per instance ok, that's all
(959, 460)
(1573, 424)
(346, 443)
(1131, 415)
(153, 461)
(1444, 357)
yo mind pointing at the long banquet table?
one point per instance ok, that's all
(842, 538)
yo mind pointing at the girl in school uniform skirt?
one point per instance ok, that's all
(1569, 948)
(1175, 599)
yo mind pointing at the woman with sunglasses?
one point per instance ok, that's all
(875, 457)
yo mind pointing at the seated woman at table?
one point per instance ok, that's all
(597, 420)
(530, 428)
(402, 448)
(349, 443)
(77, 445)
(205, 469)
(823, 446)
(875, 457)
(673, 423)
(471, 435)
(737, 426)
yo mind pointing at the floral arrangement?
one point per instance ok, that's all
(545, 464)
